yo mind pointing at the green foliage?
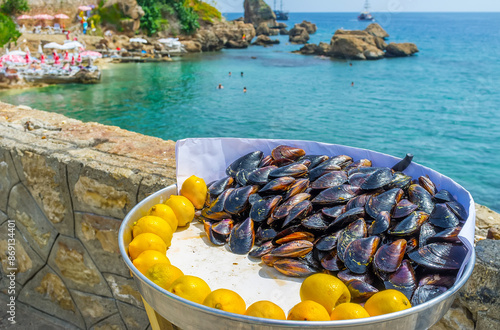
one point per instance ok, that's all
(188, 18)
(153, 20)
(205, 11)
(8, 32)
(111, 15)
(96, 19)
(14, 7)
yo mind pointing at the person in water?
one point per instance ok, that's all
(244, 89)
(220, 86)
(242, 73)
(352, 84)
(229, 73)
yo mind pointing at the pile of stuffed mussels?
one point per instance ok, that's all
(374, 228)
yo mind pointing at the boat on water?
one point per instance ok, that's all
(280, 14)
(365, 15)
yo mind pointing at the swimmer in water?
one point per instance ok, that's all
(220, 86)
(244, 89)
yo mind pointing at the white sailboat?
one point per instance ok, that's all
(365, 14)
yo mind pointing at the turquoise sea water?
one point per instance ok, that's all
(442, 105)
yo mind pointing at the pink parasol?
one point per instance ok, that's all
(79, 59)
(43, 17)
(24, 17)
(12, 58)
(84, 8)
(89, 53)
(72, 60)
(61, 16)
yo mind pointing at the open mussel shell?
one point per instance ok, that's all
(277, 186)
(216, 209)
(439, 256)
(328, 242)
(299, 186)
(331, 262)
(237, 201)
(247, 162)
(261, 250)
(443, 217)
(409, 225)
(386, 201)
(425, 293)
(294, 170)
(389, 256)
(359, 254)
(421, 197)
(282, 152)
(207, 225)
(297, 213)
(262, 209)
(328, 180)
(380, 224)
(403, 279)
(295, 248)
(242, 237)
(260, 176)
(294, 267)
(336, 195)
(403, 209)
(378, 179)
(353, 231)
(360, 291)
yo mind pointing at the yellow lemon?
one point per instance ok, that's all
(387, 301)
(148, 258)
(195, 189)
(266, 309)
(308, 310)
(166, 213)
(325, 289)
(155, 225)
(348, 311)
(183, 209)
(146, 241)
(226, 300)
(191, 288)
(163, 274)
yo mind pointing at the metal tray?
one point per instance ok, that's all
(188, 315)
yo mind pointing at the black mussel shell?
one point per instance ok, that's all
(315, 159)
(449, 235)
(353, 231)
(341, 160)
(294, 170)
(242, 237)
(380, 224)
(427, 184)
(403, 209)
(297, 213)
(262, 209)
(258, 252)
(287, 152)
(401, 180)
(426, 230)
(386, 201)
(409, 225)
(216, 209)
(278, 185)
(285, 232)
(443, 196)
(269, 260)
(282, 210)
(365, 170)
(336, 195)
(346, 275)
(266, 161)
(358, 164)
(412, 243)
(219, 186)
(360, 291)
(315, 222)
(403, 279)
(439, 256)
(263, 234)
(348, 216)
(305, 162)
(458, 209)
(327, 242)
(437, 280)
(294, 267)
(260, 175)
(311, 260)
(357, 179)
(295, 248)
(443, 217)
(331, 262)
(330, 179)
(359, 254)
(425, 293)
(248, 162)
(299, 186)
(242, 177)
(295, 236)
(421, 197)
(237, 201)
(389, 256)
(358, 201)
(332, 212)
(380, 178)
(223, 227)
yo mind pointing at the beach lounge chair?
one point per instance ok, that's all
(37, 29)
(57, 28)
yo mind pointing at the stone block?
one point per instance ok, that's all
(93, 308)
(152, 184)
(6, 286)
(3, 217)
(8, 178)
(486, 322)
(457, 318)
(99, 235)
(124, 289)
(45, 178)
(103, 192)
(113, 322)
(47, 292)
(31, 221)
(134, 318)
(27, 261)
(73, 264)
(29, 318)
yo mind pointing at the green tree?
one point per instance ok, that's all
(8, 30)
(14, 7)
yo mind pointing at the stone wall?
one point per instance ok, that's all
(66, 186)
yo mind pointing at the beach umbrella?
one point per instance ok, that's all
(43, 17)
(140, 40)
(40, 50)
(84, 8)
(54, 45)
(72, 45)
(12, 58)
(89, 53)
(61, 16)
(17, 52)
(72, 60)
(79, 59)
(24, 17)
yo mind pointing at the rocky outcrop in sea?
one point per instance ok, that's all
(300, 32)
(368, 44)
